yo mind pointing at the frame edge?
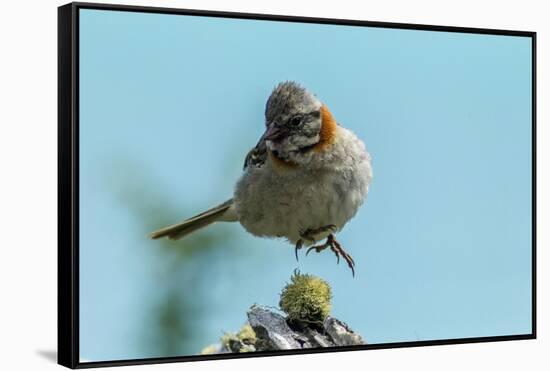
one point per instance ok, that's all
(534, 310)
(67, 332)
(300, 19)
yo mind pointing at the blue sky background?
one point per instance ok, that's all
(169, 107)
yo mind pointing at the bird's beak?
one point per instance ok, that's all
(273, 132)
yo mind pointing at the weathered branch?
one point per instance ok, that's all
(306, 323)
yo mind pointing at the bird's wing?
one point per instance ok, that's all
(257, 155)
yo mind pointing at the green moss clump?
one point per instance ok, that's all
(306, 298)
(227, 339)
(211, 349)
(242, 342)
(247, 348)
(247, 335)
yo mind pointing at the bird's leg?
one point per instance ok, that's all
(337, 249)
(309, 235)
(298, 246)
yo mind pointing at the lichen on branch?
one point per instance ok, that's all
(306, 299)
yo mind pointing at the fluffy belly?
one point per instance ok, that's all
(271, 205)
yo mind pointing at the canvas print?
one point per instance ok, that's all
(254, 186)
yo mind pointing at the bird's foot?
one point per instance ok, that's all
(337, 249)
(309, 235)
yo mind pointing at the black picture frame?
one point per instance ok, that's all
(68, 181)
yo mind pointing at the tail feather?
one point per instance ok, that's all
(222, 212)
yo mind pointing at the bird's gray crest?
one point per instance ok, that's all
(286, 97)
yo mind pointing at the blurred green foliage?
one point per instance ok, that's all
(171, 328)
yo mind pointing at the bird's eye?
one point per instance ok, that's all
(295, 121)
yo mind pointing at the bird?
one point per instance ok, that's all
(303, 181)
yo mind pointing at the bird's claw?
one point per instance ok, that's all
(337, 249)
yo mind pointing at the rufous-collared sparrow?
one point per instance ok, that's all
(303, 181)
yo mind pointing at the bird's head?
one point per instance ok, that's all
(296, 121)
